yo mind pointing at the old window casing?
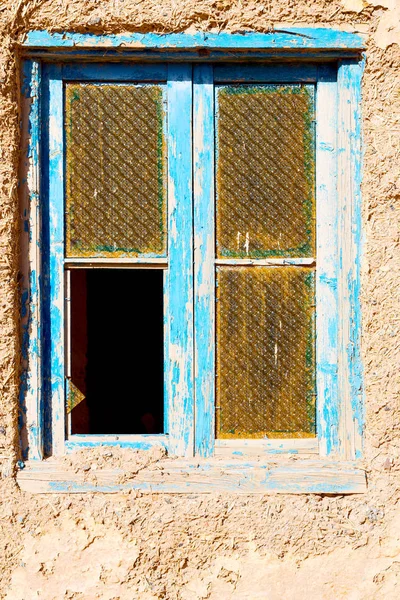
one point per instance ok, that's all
(204, 197)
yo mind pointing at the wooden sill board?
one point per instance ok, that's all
(180, 476)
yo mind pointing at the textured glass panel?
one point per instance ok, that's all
(265, 171)
(265, 352)
(115, 170)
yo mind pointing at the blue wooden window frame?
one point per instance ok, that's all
(335, 355)
(190, 65)
(178, 263)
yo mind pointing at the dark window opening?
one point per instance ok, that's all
(117, 375)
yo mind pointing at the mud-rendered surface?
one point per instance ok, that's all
(127, 546)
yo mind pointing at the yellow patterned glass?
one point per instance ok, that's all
(115, 170)
(265, 352)
(265, 171)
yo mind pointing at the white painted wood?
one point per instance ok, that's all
(250, 447)
(56, 253)
(350, 240)
(327, 265)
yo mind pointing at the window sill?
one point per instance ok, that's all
(202, 476)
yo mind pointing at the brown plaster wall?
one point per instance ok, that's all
(126, 546)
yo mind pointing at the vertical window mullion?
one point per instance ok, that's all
(351, 418)
(204, 252)
(31, 318)
(328, 397)
(55, 363)
(179, 364)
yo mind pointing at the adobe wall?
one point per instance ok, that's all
(127, 546)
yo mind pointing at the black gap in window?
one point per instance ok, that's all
(117, 351)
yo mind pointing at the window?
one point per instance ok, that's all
(196, 282)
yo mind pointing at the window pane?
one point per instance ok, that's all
(115, 170)
(117, 351)
(265, 352)
(265, 171)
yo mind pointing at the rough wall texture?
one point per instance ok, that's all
(127, 546)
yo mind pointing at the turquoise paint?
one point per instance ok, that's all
(204, 282)
(355, 72)
(332, 332)
(56, 255)
(72, 445)
(115, 72)
(301, 38)
(179, 365)
(32, 443)
(328, 399)
(350, 80)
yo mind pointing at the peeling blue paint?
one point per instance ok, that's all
(350, 79)
(30, 389)
(289, 37)
(357, 397)
(53, 74)
(204, 275)
(179, 366)
(327, 316)
(83, 441)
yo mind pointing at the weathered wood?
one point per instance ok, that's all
(136, 442)
(250, 448)
(300, 38)
(204, 252)
(31, 386)
(207, 476)
(193, 55)
(56, 256)
(327, 310)
(350, 236)
(179, 391)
